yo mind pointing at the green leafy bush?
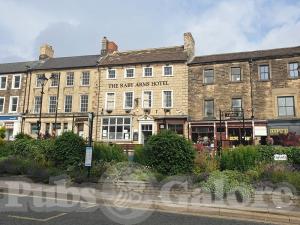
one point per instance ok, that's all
(204, 162)
(6, 148)
(169, 153)
(68, 150)
(222, 183)
(241, 158)
(22, 136)
(2, 132)
(22, 148)
(108, 153)
(139, 155)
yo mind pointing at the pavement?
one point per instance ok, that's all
(31, 203)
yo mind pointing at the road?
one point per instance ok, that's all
(94, 214)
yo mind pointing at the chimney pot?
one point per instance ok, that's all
(46, 51)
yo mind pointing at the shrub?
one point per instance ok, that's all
(68, 150)
(139, 155)
(241, 158)
(22, 136)
(6, 148)
(169, 153)
(108, 153)
(222, 183)
(22, 148)
(204, 162)
(2, 132)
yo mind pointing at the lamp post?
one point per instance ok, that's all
(42, 80)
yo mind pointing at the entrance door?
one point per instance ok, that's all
(146, 132)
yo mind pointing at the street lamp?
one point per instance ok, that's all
(42, 81)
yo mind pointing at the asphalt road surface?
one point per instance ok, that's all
(94, 214)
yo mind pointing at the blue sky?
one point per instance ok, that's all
(76, 27)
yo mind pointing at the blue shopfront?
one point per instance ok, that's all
(12, 124)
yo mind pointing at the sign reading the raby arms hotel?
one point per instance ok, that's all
(139, 84)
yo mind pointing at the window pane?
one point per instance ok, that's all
(235, 73)
(281, 101)
(209, 108)
(128, 99)
(1, 104)
(84, 101)
(168, 70)
(129, 72)
(111, 74)
(289, 101)
(54, 79)
(290, 111)
(167, 99)
(148, 72)
(85, 78)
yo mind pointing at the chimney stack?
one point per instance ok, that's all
(46, 51)
(189, 44)
(108, 47)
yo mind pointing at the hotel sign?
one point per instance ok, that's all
(139, 84)
(276, 131)
(233, 114)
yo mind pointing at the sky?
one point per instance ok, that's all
(76, 27)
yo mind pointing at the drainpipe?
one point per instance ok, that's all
(57, 99)
(98, 101)
(24, 99)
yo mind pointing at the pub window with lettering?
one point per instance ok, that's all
(208, 76)
(116, 128)
(286, 106)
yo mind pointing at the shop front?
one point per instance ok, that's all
(284, 132)
(12, 125)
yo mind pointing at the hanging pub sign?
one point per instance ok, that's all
(233, 114)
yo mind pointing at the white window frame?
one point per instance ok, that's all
(163, 71)
(106, 94)
(14, 81)
(3, 104)
(123, 125)
(67, 74)
(151, 69)
(10, 104)
(80, 108)
(5, 82)
(34, 104)
(144, 99)
(289, 71)
(51, 80)
(125, 72)
(36, 79)
(49, 104)
(124, 100)
(65, 103)
(81, 78)
(107, 74)
(162, 99)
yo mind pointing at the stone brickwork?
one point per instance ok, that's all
(255, 93)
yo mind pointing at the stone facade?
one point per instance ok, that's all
(157, 83)
(12, 102)
(73, 119)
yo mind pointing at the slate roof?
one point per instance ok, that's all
(169, 54)
(244, 56)
(69, 62)
(18, 67)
